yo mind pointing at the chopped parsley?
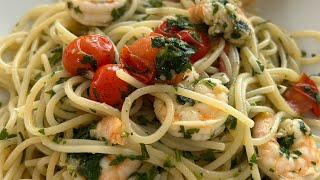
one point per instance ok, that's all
(88, 59)
(303, 53)
(313, 163)
(62, 80)
(95, 93)
(93, 110)
(173, 56)
(297, 152)
(187, 134)
(120, 158)
(89, 164)
(253, 160)
(38, 76)
(118, 12)
(42, 131)
(155, 3)
(183, 100)
(238, 26)
(178, 155)
(303, 127)
(84, 131)
(181, 22)
(271, 169)
(77, 10)
(125, 134)
(167, 164)
(190, 155)
(261, 66)
(231, 122)
(285, 143)
(81, 71)
(55, 56)
(149, 175)
(208, 155)
(196, 36)
(5, 135)
(198, 175)
(51, 92)
(58, 138)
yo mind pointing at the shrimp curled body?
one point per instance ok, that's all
(201, 120)
(291, 154)
(95, 12)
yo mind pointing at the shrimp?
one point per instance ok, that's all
(121, 171)
(111, 129)
(291, 154)
(223, 17)
(96, 12)
(197, 119)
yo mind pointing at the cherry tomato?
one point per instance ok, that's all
(198, 40)
(139, 59)
(163, 29)
(303, 96)
(108, 88)
(87, 53)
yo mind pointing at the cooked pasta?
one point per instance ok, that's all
(151, 89)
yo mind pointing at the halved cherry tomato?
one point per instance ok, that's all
(302, 96)
(163, 29)
(198, 40)
(139, 59)
(108, 88)
(87, 53)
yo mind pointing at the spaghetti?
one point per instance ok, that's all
(195, 120)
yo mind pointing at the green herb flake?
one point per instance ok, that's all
(313, 163)
(62, 80)
(95, 93)
(41, 131)
(183, 100)
(190, 155)
(88, 59)
(173, 56)
(38, 76)
(297, 152)
(93, 110)
(196, 36)
(231, 122)
(178, 155)
(167, 164)
(285, 143)
(56, 55)
(253, 160)
(208, 155)
(77, 10)
(117, 13)
(303, 53)
(156, 3)
(50, 92)
(181, 22)
(119, 159)
(303, 127)
(261, 66)
(317, 98)
(271, 170)
(58, 138)
(188, 133)
(5, 135)
(149, 175)
(84, 131)
(81, 71)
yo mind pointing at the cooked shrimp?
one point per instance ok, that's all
(193, 116)
(95, 12)
(111, 129)
(292, 154)
(223, 17)
(121, 171)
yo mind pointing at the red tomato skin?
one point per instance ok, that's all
(163, 29)
(202, 47)
(139, 59)
(299, 99)
(106, 87)
(98, 46)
